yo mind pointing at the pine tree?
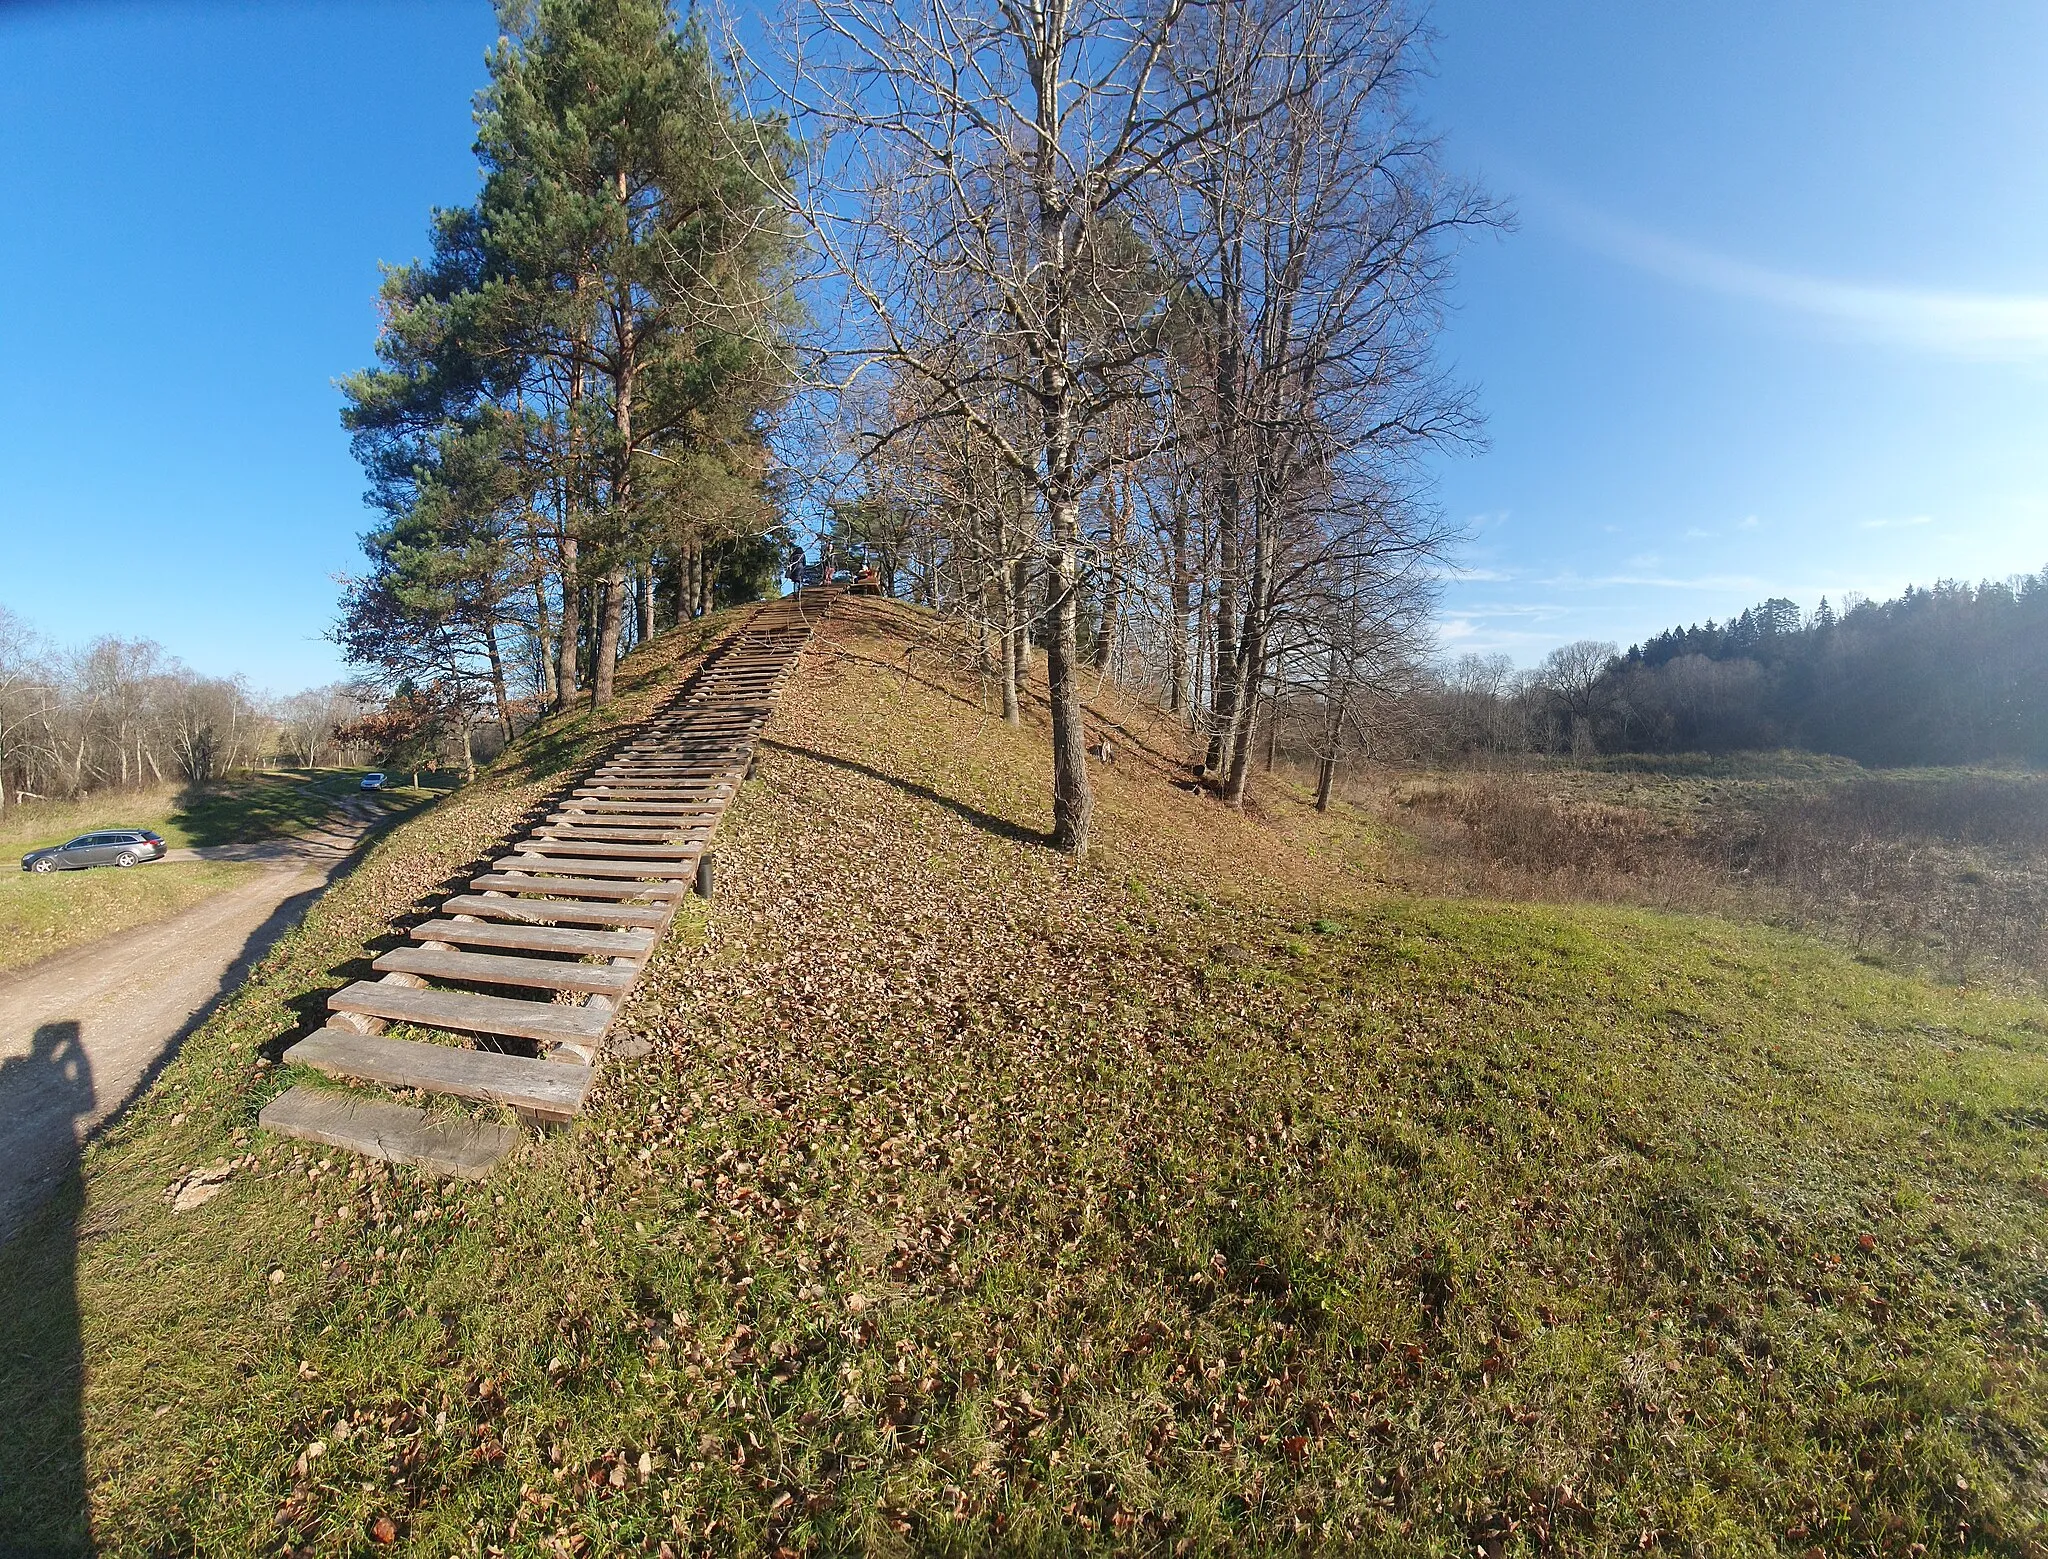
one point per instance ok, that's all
(608, 318)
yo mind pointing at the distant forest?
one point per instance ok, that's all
(1952, 674)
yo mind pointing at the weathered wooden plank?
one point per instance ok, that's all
(598, 849)
(532, 911)
(468, 1014)
(653, 830)
(387, 1130)
(578, 865)
(538, 939)
(687, 798)
(521, 879)
(546, 974)
(672, 823)
(553, 1090)
(685, 788)
(656, 874)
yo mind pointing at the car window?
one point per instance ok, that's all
(80, 842)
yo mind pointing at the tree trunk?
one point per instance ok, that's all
(498, 678)
(708, 574)
(572, 626)
(543, 619)
(611, 623)
(1326, 773)
(1177, 692)
(1250, 663)
(1016, 642)
(643, 590)
(1072, 803)
(1120, 510)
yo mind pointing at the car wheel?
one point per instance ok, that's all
(126, 858)
(46, 865)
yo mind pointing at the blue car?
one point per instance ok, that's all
(373, 782)
(114, 847)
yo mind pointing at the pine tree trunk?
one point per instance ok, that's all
(572, 627)
(611, 623)
(498, 678)
(644, 581)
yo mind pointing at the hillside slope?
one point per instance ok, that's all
(1204, 1197)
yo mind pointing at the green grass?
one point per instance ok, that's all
(970, 1201)
(44, 914)
(241, 809)
(270, 804)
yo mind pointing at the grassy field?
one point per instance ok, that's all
(1204, 1198)
(241, 809)
(1939, 870)
(41, 915)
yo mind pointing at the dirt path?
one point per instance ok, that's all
(82, 1033)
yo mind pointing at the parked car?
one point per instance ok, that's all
(373, 782)
(113, 847)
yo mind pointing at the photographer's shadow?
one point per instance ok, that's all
(42, 1432)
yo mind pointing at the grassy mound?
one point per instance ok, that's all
(1202, 1198)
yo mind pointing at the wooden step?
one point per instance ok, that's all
(645, 792)
(695, 803)
(538, 939)
(599, 850)
(387, 1130)
(674, 822)
(654, 830)
(657, 874)
(545, 974)
(653, 916)
(662, 792)
(551, 1090)
(522, 879)
(464, 1013)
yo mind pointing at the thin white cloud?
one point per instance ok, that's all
(1747, 522)
(1461, 576)
(1653, 581)
(1911, 519)
(2012, 326)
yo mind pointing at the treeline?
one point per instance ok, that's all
(1147, 300)
(121, 713)
(1952, 674)
(566, 430)
(1124, 330)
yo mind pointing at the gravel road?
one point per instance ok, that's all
(83, 1032)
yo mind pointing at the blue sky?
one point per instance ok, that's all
(1775, 320)
(1776, 317)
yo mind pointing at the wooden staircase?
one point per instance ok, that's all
(555, 932)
